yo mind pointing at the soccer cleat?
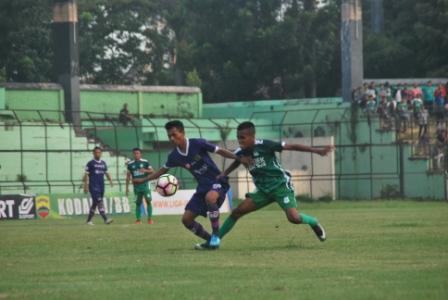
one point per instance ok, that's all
(138, 222)
(108, 221)
(320, 232)
(215, 241)
(204, 246)
(90, 223)
(150, 221)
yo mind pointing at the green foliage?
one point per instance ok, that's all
(232, 49)
(193, 79)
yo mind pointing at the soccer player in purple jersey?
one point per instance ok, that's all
(193, 155)
(94, 179)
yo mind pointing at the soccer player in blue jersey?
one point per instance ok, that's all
(94, 180)
(193, 155)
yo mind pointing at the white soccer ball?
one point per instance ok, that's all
(167, 185)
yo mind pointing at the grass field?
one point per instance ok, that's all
(375, 250)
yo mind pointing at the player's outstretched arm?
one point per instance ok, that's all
(151, 176)
(303, 148)
(245, 160)
(235, 164)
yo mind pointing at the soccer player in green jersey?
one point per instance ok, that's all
(273, 183)
(139, 168)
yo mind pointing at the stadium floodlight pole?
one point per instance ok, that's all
(351, 47)
(66, 48)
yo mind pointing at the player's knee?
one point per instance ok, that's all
(187, 221)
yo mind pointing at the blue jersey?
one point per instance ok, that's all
(196, 160)
(96, 170)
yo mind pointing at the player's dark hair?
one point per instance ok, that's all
(97, 148)
(174, 124)
(246, 125)
(137, 149)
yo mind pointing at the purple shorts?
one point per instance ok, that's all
(197, 203)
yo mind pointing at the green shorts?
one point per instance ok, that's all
(139, 195)
(282, 195)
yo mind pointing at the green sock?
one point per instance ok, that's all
(312, 221)
(138, 206)
(149, 208)
(227, 226)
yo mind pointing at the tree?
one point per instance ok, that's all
(25, 40)
(124, 42)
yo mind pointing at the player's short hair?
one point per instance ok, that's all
(246, 125)
(137, 149)
(97, 148)
(174, 124)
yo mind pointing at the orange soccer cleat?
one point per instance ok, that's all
(138, 222)
(150, 221)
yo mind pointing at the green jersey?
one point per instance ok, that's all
(133, 167)
(418, 105)
(266, 171)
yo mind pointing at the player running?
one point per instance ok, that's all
(139, 168)
(273, 183)
(193, 155)
(94, 179)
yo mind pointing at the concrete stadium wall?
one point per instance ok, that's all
(142, 100)
(48, 159)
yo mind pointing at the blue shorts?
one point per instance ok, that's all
(197, 203)
(97, 196)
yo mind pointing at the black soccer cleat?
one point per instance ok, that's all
(320, 232)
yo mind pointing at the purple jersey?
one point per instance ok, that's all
(196, 160)
(96, 170)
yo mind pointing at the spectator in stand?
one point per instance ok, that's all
(422, 123)
(383, 110)
(371, 91)
(370, 108)
(357, 97)
(124, 116)
(403, 116)
(440, 150)
(440, 94)
(417, 106)
(428, 95)
(416, 90)
(397, 96)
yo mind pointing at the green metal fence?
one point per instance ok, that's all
(40, 152)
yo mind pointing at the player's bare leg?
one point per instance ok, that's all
(211, 199)
(244, 208)
(295, 217)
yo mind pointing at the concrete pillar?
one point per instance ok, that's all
(66, 48)
(351, 47)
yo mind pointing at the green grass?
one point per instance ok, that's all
(375, 250)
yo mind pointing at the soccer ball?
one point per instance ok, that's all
(167, 185)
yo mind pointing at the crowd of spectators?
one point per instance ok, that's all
(402, 105)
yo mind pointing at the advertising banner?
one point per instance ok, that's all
(69, 205)
(17, 207)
